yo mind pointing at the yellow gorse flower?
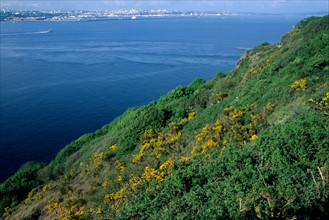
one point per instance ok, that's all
(253, 137)
(113, 147)
(299, 85)
(119, 179)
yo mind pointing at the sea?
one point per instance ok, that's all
(60, 80)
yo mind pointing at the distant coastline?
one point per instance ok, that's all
(19, 15)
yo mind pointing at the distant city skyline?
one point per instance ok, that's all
(257, 6)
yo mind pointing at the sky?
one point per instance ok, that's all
(258, 6)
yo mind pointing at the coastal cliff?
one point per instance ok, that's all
(250, 144)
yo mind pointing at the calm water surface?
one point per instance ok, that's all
(56, 86)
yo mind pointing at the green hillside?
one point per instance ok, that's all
(250, 144)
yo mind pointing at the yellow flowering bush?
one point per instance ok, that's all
(71, 212)
(191, 116)
(113, 147)
(299, 85)
(256, 68)
(99, 211)
(39, 196)
(31, 194)
(119, 179)
(220, 96)
(70, 209)
(240, 124)
(177, 126)
(253, 137)
(185, 159)
(321, 105)
(105, 184)
(52, 205)
(135, 182)
(97, 159)
(237, 124)
(8, 210)
(149, 175)
(156, 143)
(120, 166)
(209, 137)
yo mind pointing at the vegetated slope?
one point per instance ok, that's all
(250, 144)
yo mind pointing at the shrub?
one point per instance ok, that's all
(16, 187)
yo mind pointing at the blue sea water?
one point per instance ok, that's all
(56, 86)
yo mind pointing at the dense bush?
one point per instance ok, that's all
(282, 175)
(16, 188)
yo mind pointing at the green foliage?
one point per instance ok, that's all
(266, 178)
(198, 101)
(263, 44)
(194, 85)
(148, 117)
(16, 188)
(174, 94)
